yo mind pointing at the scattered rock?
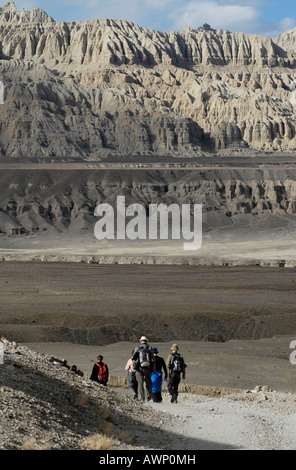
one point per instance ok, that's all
(44, 405)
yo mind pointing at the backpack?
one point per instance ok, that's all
(144, 356)
(103, 375)
(176, 363)
(156, 382)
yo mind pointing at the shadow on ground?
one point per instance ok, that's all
(78, 411)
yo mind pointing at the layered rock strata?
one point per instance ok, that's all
(94, 89)
(60, 201)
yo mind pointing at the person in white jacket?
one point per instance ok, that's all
(132, 379)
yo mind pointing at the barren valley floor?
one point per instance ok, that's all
(234, 324)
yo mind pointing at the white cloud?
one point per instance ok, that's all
(287, 23)
(284, 25)
(234, 15)
(219, 16)
(246, 16)
(159, 4)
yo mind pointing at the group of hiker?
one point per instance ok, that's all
(147, 370)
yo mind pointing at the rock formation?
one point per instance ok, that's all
(9, 13)
(56, 202)
(94, 89)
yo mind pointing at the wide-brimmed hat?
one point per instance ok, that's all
(143, 338)
(175, 347)
(155, 351)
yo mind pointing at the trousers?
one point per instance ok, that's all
(144, 376)
(173, 384)
(133, 384)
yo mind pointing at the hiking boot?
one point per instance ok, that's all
(174, 399)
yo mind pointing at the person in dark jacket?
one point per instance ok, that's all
(156, 376)
(100, 372)
(176, 367)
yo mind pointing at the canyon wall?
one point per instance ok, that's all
(53, 202)
(96, 89)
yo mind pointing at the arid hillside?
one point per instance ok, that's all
(94, 89)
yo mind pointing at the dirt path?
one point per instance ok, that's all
(236, 422)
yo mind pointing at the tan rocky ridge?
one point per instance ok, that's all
(99, 88)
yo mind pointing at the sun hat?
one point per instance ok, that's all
(143, 338)
(175, 347)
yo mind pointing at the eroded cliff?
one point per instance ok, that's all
(37, 201)
(95, 89)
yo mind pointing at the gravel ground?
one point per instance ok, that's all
(253, 421)
(43, 405)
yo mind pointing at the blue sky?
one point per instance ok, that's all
(267, 17)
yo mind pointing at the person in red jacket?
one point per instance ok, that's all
(100, 372)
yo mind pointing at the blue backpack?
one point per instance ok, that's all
(156, 382)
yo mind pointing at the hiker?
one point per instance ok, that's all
(144, 364)
(176, 366)
(156, 377)
(100, 372)
(131, 377)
